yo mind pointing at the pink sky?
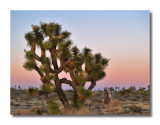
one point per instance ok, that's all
(121, 36)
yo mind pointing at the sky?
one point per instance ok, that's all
(121, 36)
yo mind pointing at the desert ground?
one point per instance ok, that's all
(127, 104)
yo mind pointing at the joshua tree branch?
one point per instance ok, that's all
(93, 84)
(43, 52)
(38, 70)
(66, 81)
(54, 61)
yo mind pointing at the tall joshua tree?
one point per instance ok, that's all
(81, 66)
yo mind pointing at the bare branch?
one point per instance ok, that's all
(66, 81)
(38, 70)
(93, 84)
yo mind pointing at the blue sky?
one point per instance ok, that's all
(122, 36)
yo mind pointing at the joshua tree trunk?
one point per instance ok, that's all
(60, 93)
(62, 96)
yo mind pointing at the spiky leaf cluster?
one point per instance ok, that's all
(53, 108)
(32, 91)
(47, 45)
(29, 65)
(47, 88)
(44, 68)
(29, 55)
(82, 78)
(79, 100)
(47, 61)
(75, 50)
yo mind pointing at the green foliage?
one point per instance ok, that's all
(96, 72)
(44, 68)
(51, 76)
(37, 33)
(47, 88)
(66, 54)
(75, 50)
(44, 27)
(29, 65)
(29, 37)
(53, 108)
(98, 57)
(105, 62)
(47, 45)
(68, 43)
(35, 28)
(33, 91)
(86, 51)
(85, 93)
(50, 29)
(47, 61)
(75, 101)
(57, 29)
(66, 34)
(89, 60)
(82, 78)
(101, 75)
(29, 55)
(79, 101)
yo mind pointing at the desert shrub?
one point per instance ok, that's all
(33, 91)
(135, 109)
(39, 111)
(53, 108)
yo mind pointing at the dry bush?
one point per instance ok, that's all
(116, 106)
(74, 111)
(21, 112)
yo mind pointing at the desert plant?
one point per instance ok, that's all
(39, 111)
(50, 38)
(135, 109)
(32, 91)
(53, 108)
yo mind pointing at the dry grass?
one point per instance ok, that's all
(21, 112)
(143, 105)
(116, 106)
(82, 111)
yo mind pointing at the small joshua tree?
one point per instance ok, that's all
(63, 57)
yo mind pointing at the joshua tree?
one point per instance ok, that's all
(81, 66)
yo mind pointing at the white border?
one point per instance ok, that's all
(8, 5)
